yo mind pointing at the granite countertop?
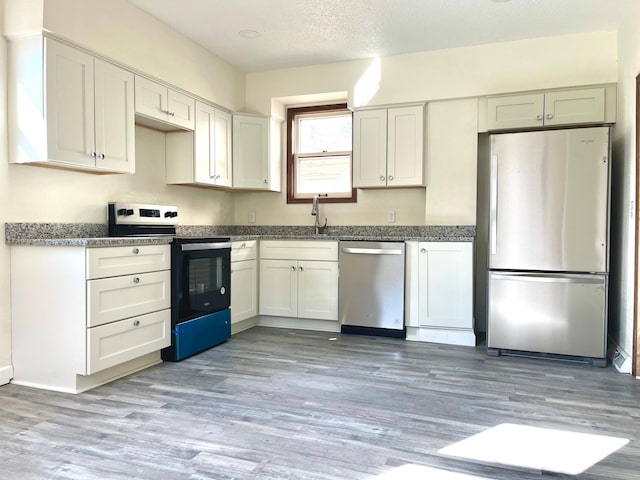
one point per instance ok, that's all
(95, 235)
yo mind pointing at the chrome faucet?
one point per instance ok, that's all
(315, 211)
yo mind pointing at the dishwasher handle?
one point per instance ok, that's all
(373, 251)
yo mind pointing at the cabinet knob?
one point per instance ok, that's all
(136, 280)
(101, 156)
(173, 114)
(382, 178)
(300, 268)
(549, 116)
(136, 251)
(293, 268)
(423, 250)
(136, 323)
(390, 177)
(94, 154)
(266, 181)
(539, 117)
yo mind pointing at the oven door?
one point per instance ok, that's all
(203, 278)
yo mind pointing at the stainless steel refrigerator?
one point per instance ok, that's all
(548, 242)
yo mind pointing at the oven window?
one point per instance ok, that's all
(205, 283)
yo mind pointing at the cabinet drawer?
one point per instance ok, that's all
(299, 250)
(118, 342)
(245, 250)
(111, 299)
(112, 261)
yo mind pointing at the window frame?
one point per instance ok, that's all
(291, 164)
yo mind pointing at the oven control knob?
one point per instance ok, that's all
(125, 211)
(168, 214)
(174, 214)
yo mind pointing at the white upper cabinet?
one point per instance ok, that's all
(158, 102)
(201, 157)
(562, 107)
(69, 109)
(256, 153)
(388, 147)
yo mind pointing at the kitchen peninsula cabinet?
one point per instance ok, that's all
(256, 152)
(244, 281)
(69, 109)
(201, 157)
(299, 279)
(439, 292)
(158, 102)
(552, 108)
(388, 147)
(82, 317)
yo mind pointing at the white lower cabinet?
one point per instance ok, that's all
(299, 279)
(439, 293)
(85, 316)
(244, 280)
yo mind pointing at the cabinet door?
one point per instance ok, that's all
(318, 290)
(278, 288)
(574, 106)
(244, 290)
(445, 283)
(370, 148)
(204, 167)
(114, 118)
(251, 152)
(405, 146)
(222, 148)
(70, 105)
(151, 99)
(515, 111)
(181, 109)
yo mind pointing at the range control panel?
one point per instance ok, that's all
(121, 213)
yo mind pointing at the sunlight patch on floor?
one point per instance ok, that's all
(536, 448)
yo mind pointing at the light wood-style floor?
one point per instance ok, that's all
(290, 404)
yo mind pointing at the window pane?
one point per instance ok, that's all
(330, 174)
(324, 134)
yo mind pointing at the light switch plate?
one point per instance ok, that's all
(252, 217)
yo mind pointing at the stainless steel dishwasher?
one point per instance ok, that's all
(371, 288)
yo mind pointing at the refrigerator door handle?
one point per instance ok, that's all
(493, 206)
(548, 278)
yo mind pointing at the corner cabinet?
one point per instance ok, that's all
(548, 109)
(388, 147)
(244, 280)
(69, 109)
(299, 278)
(201, 157)
(256, 153)
(99, 313)
(439, 292)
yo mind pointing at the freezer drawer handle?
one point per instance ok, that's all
(373, 251)
(547, 279)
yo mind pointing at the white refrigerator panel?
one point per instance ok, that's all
(549, 200)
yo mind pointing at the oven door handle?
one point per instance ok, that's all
(204, 246)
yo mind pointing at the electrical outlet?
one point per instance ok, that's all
(252, 217)
(391, 216)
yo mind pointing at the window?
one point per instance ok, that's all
(319, 154)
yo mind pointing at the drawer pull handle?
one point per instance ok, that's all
(136, 251)
(423, 250)
(136, 323)
(136, 279)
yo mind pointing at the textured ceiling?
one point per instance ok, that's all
(305, 32)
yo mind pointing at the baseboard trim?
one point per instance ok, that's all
(464, 338)
(6, 374)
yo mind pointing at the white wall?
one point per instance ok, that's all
(118, 30)
(624, 187)
(426, 76)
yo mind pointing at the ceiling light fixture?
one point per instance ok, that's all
(250, 34)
